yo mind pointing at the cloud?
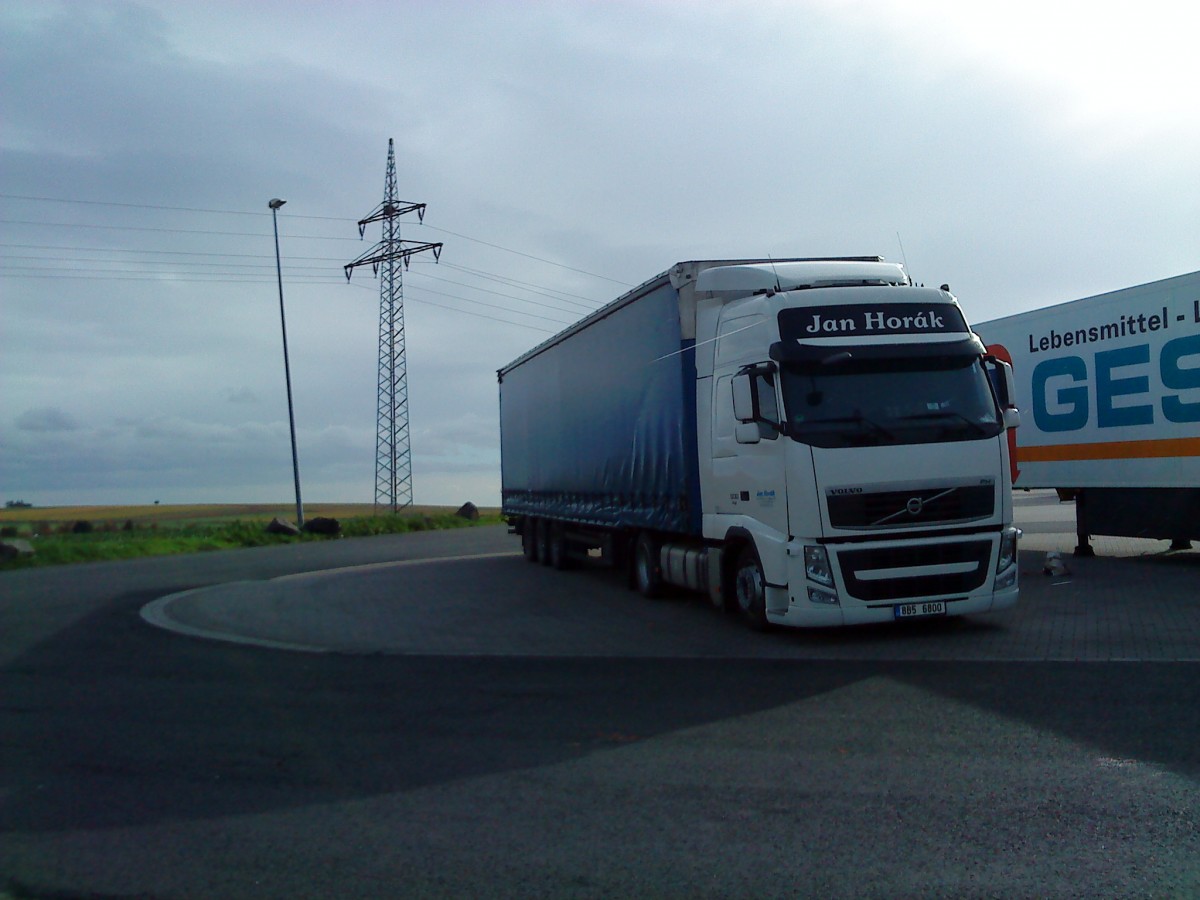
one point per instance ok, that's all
(45, 420)
(613, 139)
(240, 395)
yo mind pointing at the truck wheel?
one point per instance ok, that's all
(647, 570)
(749, 590)
(543, 541)
(558, 548)
(529, 539)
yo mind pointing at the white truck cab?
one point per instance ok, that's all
(855, 459)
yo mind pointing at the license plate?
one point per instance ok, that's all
(917, 610)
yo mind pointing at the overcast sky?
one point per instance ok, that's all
(1025, 153)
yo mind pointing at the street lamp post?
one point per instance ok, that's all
(287, 371)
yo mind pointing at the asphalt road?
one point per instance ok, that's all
(140, 763)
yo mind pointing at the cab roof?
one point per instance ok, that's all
(791, 276)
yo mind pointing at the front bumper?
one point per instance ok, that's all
(872, 578)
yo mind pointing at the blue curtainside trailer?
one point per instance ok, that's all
(598, 424)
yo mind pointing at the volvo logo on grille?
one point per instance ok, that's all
(914, 506)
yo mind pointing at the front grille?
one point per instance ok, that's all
(918, 506)
(855, 563)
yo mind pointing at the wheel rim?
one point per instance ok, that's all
(748, 588)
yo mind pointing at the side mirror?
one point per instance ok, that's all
(1010, 386)
(743, 400)
(1000, 374)
(1012, 417)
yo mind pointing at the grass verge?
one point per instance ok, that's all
(58, 544)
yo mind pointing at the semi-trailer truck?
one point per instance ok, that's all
(811, 442)
(1112, 383)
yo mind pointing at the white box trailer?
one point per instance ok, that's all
(1109, 388)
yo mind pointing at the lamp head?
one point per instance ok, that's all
(276, 203)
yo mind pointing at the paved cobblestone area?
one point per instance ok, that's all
(1133, 601)
(1105, 609)
(544, 733)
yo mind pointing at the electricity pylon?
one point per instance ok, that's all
(393, 451)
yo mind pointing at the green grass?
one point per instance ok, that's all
(55, 546)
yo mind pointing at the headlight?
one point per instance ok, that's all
(816, 565)
(1008, 549)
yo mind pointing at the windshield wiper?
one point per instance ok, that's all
(858, 419)
(951, 414)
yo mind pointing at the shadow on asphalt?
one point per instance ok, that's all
(1185, 559)
(111, 724)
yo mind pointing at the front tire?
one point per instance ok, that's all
(750, 590)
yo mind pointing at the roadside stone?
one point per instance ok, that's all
(468, 511)
(279, 526)
(323, 525)
(15, 547)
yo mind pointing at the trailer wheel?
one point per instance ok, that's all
(529, 539)
(749, 589)
(558, 547)
(543, 540)
(647, 570)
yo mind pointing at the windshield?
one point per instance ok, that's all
(919, 401)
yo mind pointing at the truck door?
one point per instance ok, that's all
(748, 453)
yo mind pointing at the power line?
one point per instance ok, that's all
(163, 252)
(528, 255)
(119, 275)
(533, 287)
(496, 293)
(249, 278)
(188, 278)
(528, 285)
(306, 281)
(466, 312)
(298, 272)
(162, 262)
(312, 237)
(111, 274)
(292, 267)
(238, 212)
(79, 272)
(243, 278)
(256, 256)
(228, 212)
(515, 312)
